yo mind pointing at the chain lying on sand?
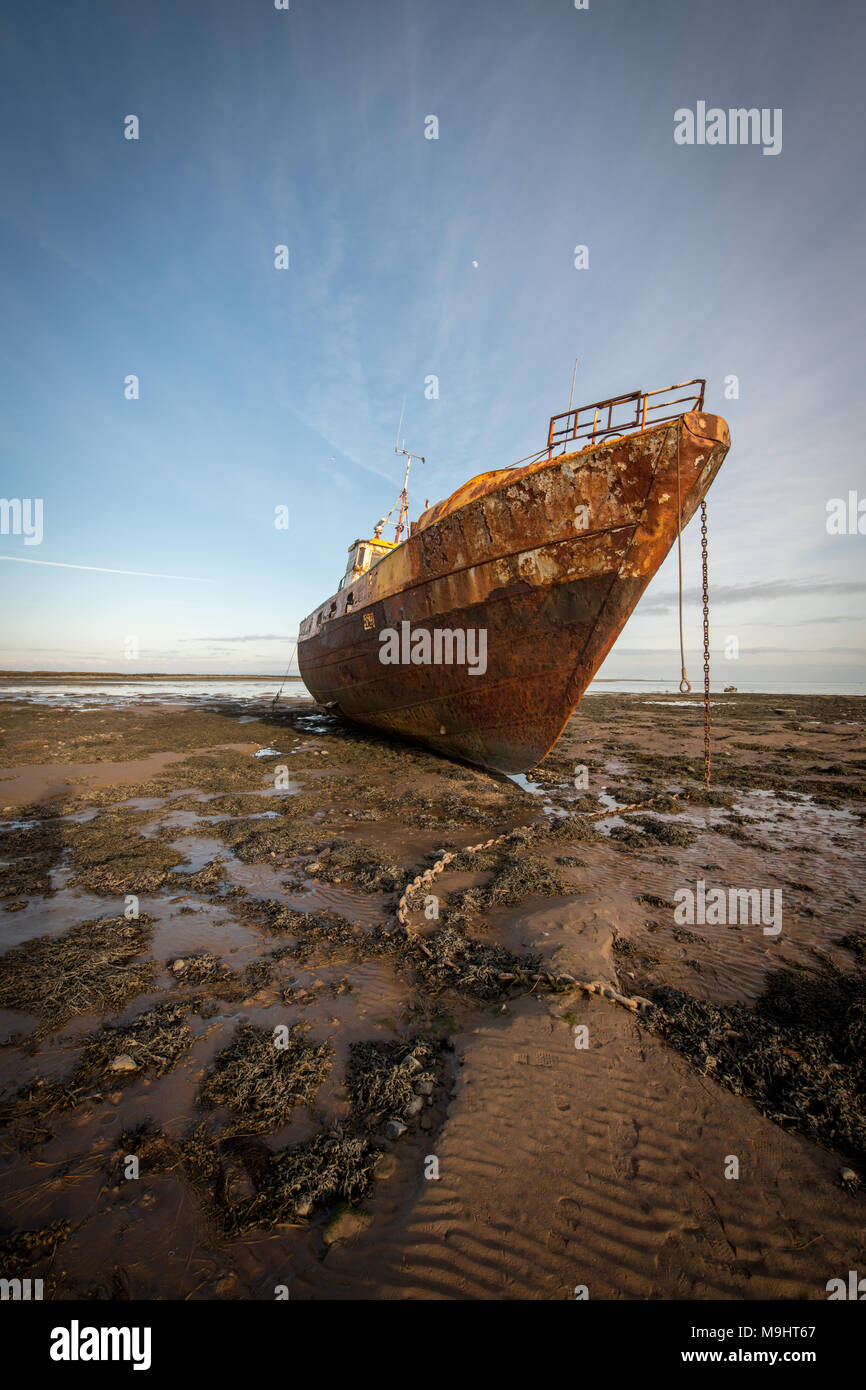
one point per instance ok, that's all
(635, 1003)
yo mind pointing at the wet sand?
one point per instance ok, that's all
(475, 1151)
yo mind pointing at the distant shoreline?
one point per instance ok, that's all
(45, 680)
(88, 677)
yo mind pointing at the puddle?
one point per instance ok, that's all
(521, 780)
(315, 723)
(364, 909)
(52, 916)
(198, 851)
(208, 927)
(81, 696)
(686, 703)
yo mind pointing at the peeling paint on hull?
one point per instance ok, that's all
(510, 559)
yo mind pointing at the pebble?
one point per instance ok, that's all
(123, 1062)
(386, 1167)
(394, 1128)
(344, 1225)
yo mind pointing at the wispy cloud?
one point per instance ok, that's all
(101, 569)
(768, 590)
(249, 637)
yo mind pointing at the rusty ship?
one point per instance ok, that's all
(478, 631)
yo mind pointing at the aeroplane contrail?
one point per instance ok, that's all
(100, 569)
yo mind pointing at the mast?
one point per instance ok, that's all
(403, 499)
(403, 519)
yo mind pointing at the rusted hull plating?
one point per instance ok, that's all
(551, 563)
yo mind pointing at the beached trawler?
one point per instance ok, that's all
(478, 633)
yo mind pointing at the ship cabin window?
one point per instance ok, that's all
(359, 560)
(333, 608)
(362, 556)
(350, 599)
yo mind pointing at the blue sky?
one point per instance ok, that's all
(261, 387)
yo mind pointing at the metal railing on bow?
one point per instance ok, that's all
(629, 414)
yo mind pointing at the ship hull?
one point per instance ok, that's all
(549, 561)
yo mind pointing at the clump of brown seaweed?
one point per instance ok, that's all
(799, 1055)
(521, 876)
(108, 858)
(449, 960)
(115, 1055)
(89, 969)
(204, 969)
(332, 1167)
(361, 865)
(244, 1184)
(261, 1077)
(153, 1042)
(21, 1251)
(389, 1080)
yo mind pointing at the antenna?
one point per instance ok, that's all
(403, 498)
(573, 378)
(403, 519)
(400, 426)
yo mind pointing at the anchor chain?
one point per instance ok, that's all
(424, 880)
(685, 683)
(706, 600)
(635, 1003)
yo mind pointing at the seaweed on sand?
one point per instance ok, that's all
(449, 960)
(361, 865)
(332, 1167)
(206, 880)
(21, 1251)
(578, 828)
(258, 842)
(245, 1185)
(29, 852)
(261, 1082)
(107, 858)
(800, 1055)
(222, 771)
(89, 969)
(663, 833)
(522, 876)
(855, 942)
(205, 969)
(624, 948)
(628, 838)
(115, 1055)
(152, 1042)
(315, 932)
(389, 1080)
(194, 1157)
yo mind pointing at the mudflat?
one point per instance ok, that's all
(227, 1071)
